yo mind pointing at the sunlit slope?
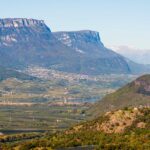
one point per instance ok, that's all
(135, 93)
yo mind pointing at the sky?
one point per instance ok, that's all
(119, 22)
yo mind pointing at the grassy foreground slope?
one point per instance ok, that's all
(127, 129)
(135, 93)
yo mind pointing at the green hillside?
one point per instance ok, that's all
(135, 93)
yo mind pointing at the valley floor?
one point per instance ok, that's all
(53, 103)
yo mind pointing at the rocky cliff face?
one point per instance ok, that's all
(29, 42)
(83, 42)
(21, 30)
(20, 22)
(74, 38)
(143, 85)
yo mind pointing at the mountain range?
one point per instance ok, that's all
(30, 42)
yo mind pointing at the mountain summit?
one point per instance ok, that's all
(20, 22)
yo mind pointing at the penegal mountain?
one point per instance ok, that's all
(30, 42)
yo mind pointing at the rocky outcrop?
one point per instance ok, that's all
(143, 85)
(20, 22)
(18, 30)
(117, 121)
(84, 42)
(72, 39)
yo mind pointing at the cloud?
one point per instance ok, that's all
(133, 53)
(126, 48)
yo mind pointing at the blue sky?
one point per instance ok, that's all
(120, 22)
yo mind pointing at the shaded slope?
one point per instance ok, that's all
(9, 73)
(137, 68)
